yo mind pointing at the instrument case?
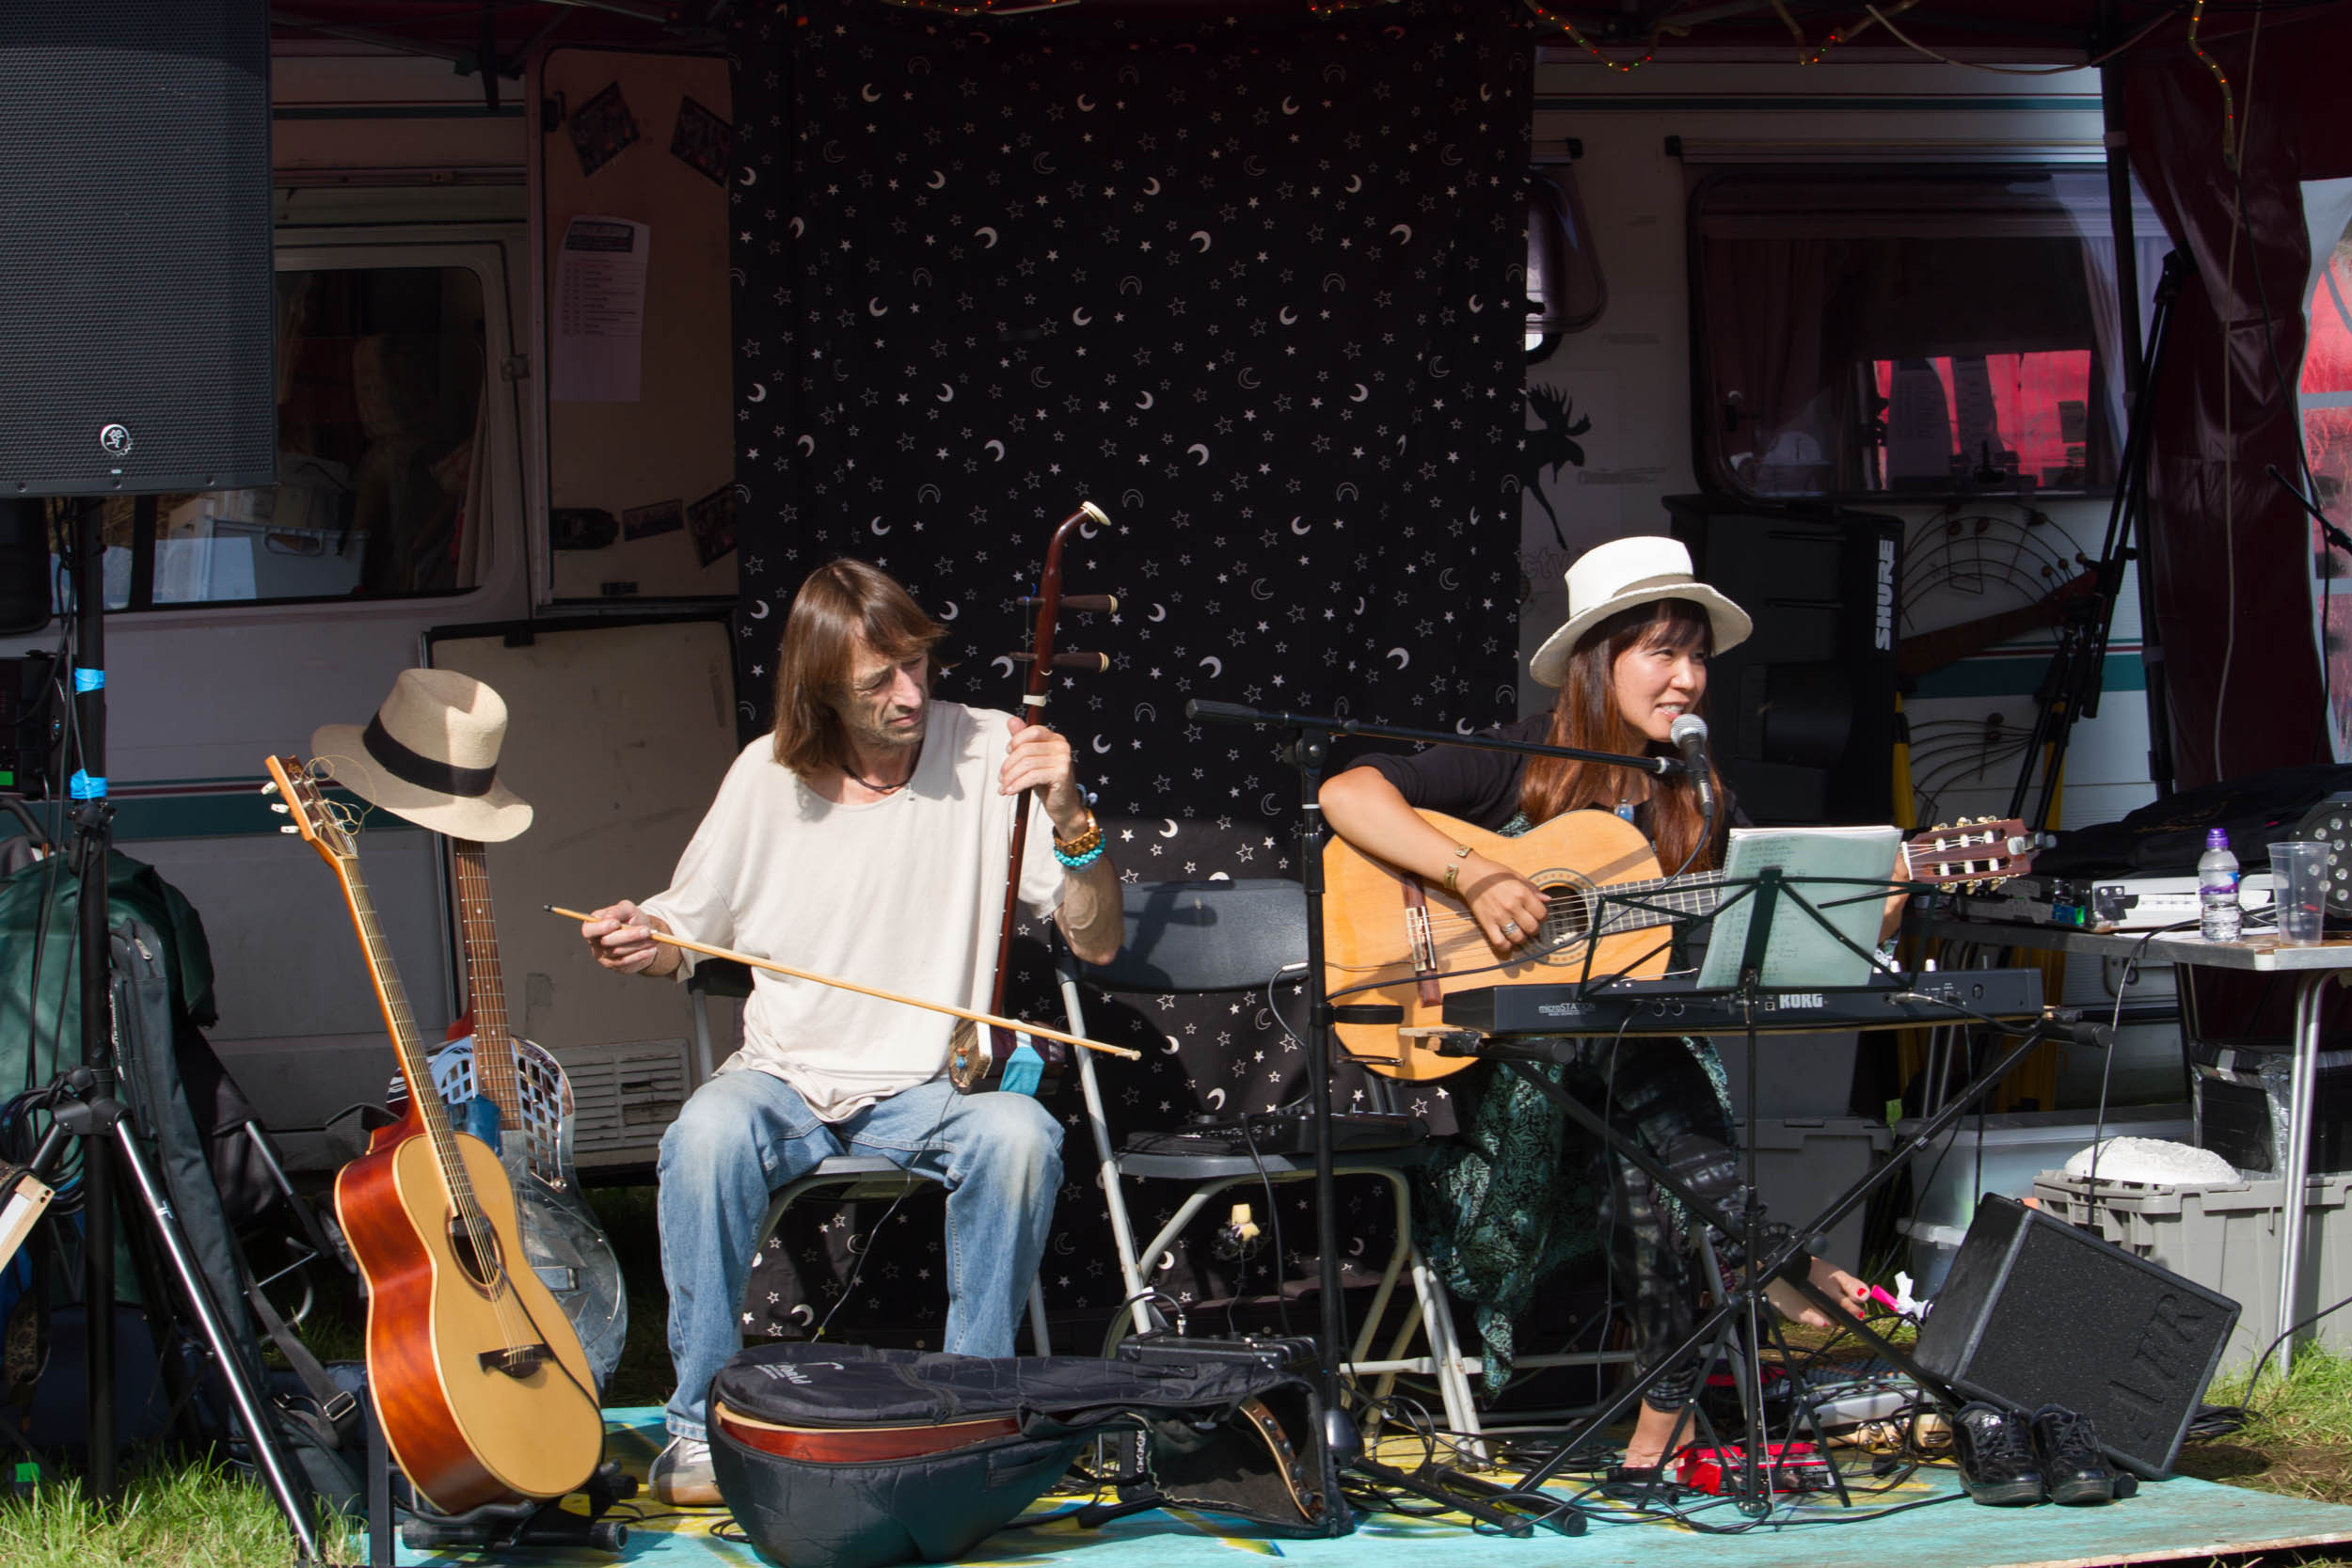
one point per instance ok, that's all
(842, 1456)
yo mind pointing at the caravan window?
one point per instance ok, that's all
(380, 375)
(1869, 332)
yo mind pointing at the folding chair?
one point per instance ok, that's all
(1236, 936)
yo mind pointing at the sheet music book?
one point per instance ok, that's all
(1797, 953)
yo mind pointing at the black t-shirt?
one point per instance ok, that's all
(1482, 787)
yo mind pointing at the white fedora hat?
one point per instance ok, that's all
(1639, 570)
(430, 755)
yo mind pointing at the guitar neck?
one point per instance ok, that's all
(1661, 901)
(423, 1102)
(485, 983)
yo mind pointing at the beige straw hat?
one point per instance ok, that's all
(1642, 569)
(430, 754)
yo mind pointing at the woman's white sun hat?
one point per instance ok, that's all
(1642, 569)
(430, 755)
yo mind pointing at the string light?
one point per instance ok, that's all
(1593, 49)
(2229, 103)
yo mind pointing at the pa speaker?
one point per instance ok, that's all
(2037, 1312)
(136, 294)
(1802, 713)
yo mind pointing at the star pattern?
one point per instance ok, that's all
(1258, 297)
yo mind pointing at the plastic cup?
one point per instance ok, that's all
(2298, 882)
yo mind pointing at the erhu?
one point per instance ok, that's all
(981, 1055)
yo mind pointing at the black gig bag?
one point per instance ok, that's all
(841, 1456)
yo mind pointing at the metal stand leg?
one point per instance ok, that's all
(2300, 1093)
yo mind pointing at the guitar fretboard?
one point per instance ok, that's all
(1656, 901)
(486, 984)
(423, 1102)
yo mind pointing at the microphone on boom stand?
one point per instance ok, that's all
(1689, 733)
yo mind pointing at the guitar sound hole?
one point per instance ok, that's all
(483, 1266)
(1569, 918)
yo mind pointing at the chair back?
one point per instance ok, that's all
(1206, 936)
(721, 978)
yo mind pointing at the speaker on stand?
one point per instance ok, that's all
(135, 294)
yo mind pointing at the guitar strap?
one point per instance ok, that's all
(338, 1414)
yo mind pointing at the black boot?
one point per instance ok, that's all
(2072, 1463)
(1997, 1456)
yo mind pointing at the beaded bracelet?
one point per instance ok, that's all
(1077, 853)
(1081, 860)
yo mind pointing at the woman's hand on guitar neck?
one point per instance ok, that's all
(618, 934)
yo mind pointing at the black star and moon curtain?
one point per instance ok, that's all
(1259, 296)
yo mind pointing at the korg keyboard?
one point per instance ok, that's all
(1673, 1007)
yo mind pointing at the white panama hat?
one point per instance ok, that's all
(1642, 569)
(430, 755)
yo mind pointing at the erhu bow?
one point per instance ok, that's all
(982, 1056)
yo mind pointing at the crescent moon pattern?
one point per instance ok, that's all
(904, 393)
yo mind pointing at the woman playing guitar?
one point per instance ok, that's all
(1630, 660)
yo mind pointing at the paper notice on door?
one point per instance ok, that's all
(599, 312)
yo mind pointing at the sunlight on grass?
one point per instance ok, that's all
(203, 1516)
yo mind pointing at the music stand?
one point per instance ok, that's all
(1307, 749)
(1775, 895)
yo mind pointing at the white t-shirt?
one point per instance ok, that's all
(905, 893)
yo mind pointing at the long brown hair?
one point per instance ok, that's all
(1586, 715)
(842, 607)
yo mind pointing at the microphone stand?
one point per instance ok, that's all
(1308, 745)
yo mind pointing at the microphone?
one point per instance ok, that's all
(1689, 733)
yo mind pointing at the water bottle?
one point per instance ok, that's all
(2217, 912)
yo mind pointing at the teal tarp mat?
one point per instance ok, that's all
(2180, 1518)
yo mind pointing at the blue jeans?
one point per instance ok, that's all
(745, 1133)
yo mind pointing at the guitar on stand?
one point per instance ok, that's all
(480, 1383)
(513, 1095)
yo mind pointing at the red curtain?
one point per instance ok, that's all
(2222, 534)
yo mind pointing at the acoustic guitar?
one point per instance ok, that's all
(513, 1096)
(479, 1380)
(1397, 945)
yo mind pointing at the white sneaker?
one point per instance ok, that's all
(682, 1477)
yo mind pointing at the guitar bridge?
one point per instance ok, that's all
(1444, 1040)
(517, 1361)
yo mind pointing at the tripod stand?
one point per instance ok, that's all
(82, 1099)
(1308, 749)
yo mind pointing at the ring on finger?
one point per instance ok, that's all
(1511, 927)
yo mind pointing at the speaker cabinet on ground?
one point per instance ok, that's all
(136, 294)
(2036, 1312)
(1801, 715)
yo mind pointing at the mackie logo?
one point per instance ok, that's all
(1885, 638)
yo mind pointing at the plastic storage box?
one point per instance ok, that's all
(2226, 1238)
(2014, 1147)
(1803, 1162)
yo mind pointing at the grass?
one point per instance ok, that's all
(2297, 1443)
(196, 1515)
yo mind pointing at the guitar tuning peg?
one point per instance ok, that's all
(290, 828)
(270, 788)
(279, 807)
